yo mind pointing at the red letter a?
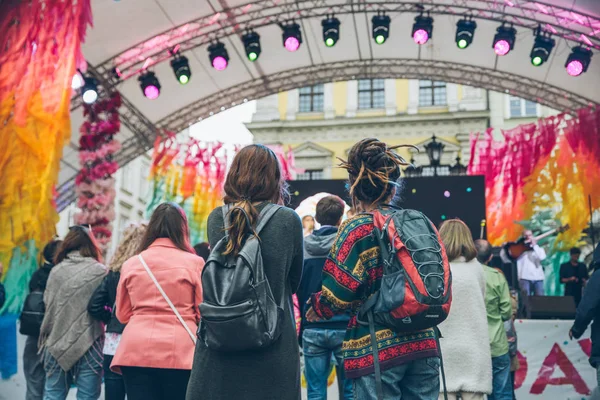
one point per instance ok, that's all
(572, 377)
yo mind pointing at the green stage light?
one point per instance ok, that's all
(331, 30)
(380, 28)
(462, 43)
(251, 41)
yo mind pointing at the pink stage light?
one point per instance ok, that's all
(420, 36)
(219, 63)
(151, 92)
(502, 47)
(575, 68)
(292, 43)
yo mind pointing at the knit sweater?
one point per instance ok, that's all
(68, 331)
(353, 272)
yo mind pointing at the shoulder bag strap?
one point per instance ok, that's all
(164, 295)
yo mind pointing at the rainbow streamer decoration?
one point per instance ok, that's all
(540, 176)
(41, 47)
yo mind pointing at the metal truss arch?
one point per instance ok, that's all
(368, 69)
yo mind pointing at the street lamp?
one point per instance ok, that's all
(434, 151)
(458, 168)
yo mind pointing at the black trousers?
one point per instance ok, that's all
(114, 385)
(155, 383)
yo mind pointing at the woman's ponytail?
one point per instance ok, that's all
(242, 219)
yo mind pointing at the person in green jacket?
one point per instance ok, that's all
(499, 309)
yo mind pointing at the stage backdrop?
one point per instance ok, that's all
(552, 366)
(439, 198)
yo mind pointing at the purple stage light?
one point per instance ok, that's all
(151, 92)
(502, 47)
(447, 193)
(219, 63)
(574, 68)
(420, 36)
(292, 44)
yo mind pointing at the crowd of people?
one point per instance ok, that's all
(137, 324)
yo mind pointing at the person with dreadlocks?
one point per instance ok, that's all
(353, 271)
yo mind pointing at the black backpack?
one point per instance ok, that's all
(33, 314)
(238, 311)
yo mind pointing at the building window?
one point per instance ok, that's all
(522, 108)
(432, 93)
(127, 178)
(371, 93)
(311, 175)
(144, 184)
(311, 99)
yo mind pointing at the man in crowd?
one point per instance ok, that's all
(499, 309)
(321, 339)
(529, 266)
(574, 275)
(588, 311)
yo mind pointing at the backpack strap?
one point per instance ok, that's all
(225, 209)
(265, 215)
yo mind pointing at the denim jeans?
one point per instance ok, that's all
(532, 287)
(415, 380)
(319, 345)
(33, 368)
(86, 374)
(114, 385)
(501, 383)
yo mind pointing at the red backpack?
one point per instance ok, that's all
(415, 290)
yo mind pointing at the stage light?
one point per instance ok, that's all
(331, 31)
(150, 85)
(504, 40)
(447, 193)
(422, 29)
(77, 81)
(469, 190)
(89, 90)
(181, 68)
(292, 37)
(578, 61)
(219, 58)
(414, 191)
(465, 31)
(251, 41)
(381, 28)
(443, 217)
(542, 46)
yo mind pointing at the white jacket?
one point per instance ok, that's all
(465, 342)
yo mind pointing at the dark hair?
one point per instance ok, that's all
(79, 239)
(254, 176)
(484, 250)
(373, 171)
(575, 250)
(168, 221)
(50, 250)
(202, 250)
(330, 210)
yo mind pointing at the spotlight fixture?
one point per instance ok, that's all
(422, 29)
(465, 31)
(219, 58)
(251, 41)
(292, 37)
(381, 28)
(542, 46)
(181, 68)
(331, 31)
(504, 40)
(149, 84)
(77, 81)
(578, 61)
(89, 90)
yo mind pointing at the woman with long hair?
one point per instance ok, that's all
(102, 307)
(465, 339)
(409, 362)
(70, 338)
(272, 373)
(157, 297)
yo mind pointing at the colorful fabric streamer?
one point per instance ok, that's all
(94, 183)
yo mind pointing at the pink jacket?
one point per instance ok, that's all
(154, 337)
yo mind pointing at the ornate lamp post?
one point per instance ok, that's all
(434, 151)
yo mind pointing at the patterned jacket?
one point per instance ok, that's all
(353, 272)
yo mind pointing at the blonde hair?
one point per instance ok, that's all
(457, 240)
(128, 246)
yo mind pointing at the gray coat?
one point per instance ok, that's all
(272, 373)
(68, 331)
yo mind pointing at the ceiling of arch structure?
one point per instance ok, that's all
(132, 34)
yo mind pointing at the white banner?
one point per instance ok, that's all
(553, 367)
